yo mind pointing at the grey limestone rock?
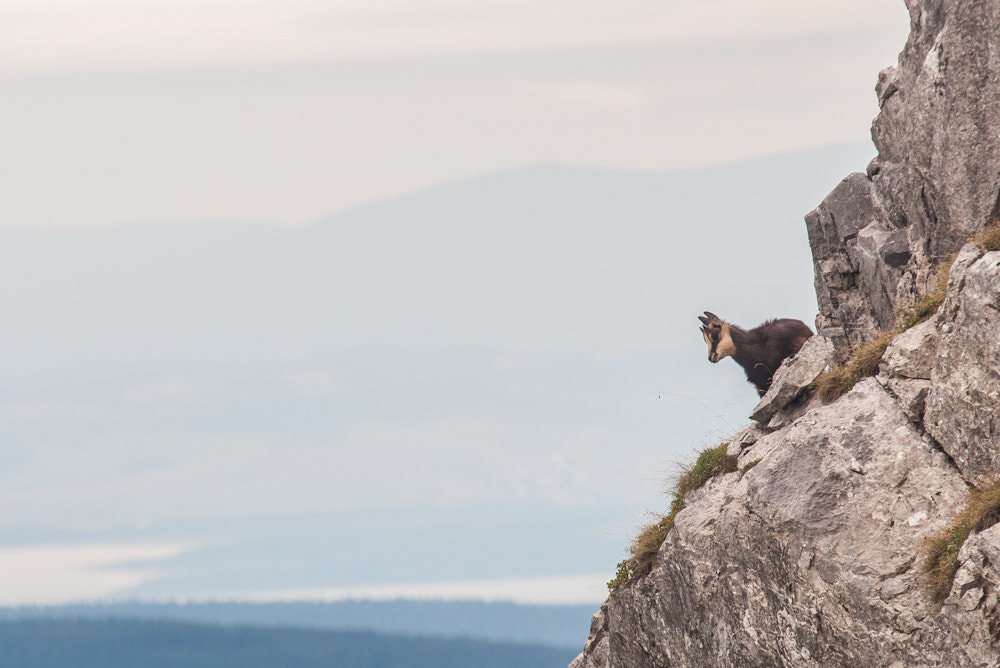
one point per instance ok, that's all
(806, 402)
(935, 182)
(596, 653)
(963, 406)
(911, 353)
(793, 377)
(910, 393)
(906, 367)
(833, 231)
(745, 438)
(805, 560)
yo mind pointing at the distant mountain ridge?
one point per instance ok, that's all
(535, 259)
(118, 643)
(550, 625)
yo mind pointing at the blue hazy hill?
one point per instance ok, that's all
(551, 625)
(542, 258)
(116, 643)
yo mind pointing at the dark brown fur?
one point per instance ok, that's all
(760, 351)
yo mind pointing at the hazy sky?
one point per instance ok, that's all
(115, 111)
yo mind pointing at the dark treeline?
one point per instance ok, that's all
(554, 625)
(117, 643)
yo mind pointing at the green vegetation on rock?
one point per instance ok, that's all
(941, 550)
(710, 463)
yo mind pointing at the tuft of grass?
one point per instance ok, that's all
(646, 546)
(750, 465)
(862, 363)
(710, 463)
(941, 551)
(989, 238)
(833, 384)
(923, 309)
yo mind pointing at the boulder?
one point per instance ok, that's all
(794, 376)
(906, 367)
(910, 393)
(911, 353)
(963, 405)
(745, 438)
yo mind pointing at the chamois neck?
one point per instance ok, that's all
(736, 332)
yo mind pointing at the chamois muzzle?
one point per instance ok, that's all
(711, 331)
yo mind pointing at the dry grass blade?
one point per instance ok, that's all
(989, 238)
(863, 362)
(941, 551)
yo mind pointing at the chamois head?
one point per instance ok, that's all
(715, 331)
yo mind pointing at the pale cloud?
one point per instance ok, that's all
(186, 111)
(52, 35)
(551, 590)
(136, 480)
(59, 574)
(48, 410)
(312, 383)
(593, 94)
(168, 389)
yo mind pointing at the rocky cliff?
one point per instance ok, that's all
(877, 236)
(813, 556)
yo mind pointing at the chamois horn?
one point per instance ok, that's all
(712, 319)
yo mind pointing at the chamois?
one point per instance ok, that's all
(760, 350)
